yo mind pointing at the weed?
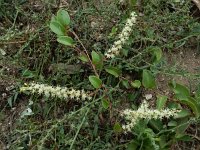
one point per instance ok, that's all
(50, 118)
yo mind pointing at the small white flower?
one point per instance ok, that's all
(84, 96)
(123, 37)
(144, 112)
(117, 42)
(60, 92)
(129, 22)
(148, 96)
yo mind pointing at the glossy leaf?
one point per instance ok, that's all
(95, 81)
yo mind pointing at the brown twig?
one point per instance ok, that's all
(85, 50)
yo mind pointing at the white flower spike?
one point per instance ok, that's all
(60, 92)
(144, 112)
(123, 37)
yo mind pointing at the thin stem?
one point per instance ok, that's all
(85, 50)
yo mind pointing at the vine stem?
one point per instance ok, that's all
(85, 50)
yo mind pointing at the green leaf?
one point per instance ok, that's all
(136, 84)
(172, 124)
(96, 58)
(197, 93)
(192, 103)
(133, 2)
(113, 31)
(63, 17)
(183, 137)
(182, 114)
(105, 103)
(157, 53)
(113, 71)
(174, 105)
(125, 52)
(148, 79)
(161, 101)
(10, 101)
(133, 146)
(84, 58)
(65, 40)
(181, 92)
(117, 128)
(156, 124)
(95, 81)
(57, 28)
(125, 83)
(53, 18)
(163, 142)
(181, 127)
(195, 30)
(28, 74)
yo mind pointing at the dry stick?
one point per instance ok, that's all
(76, 36)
